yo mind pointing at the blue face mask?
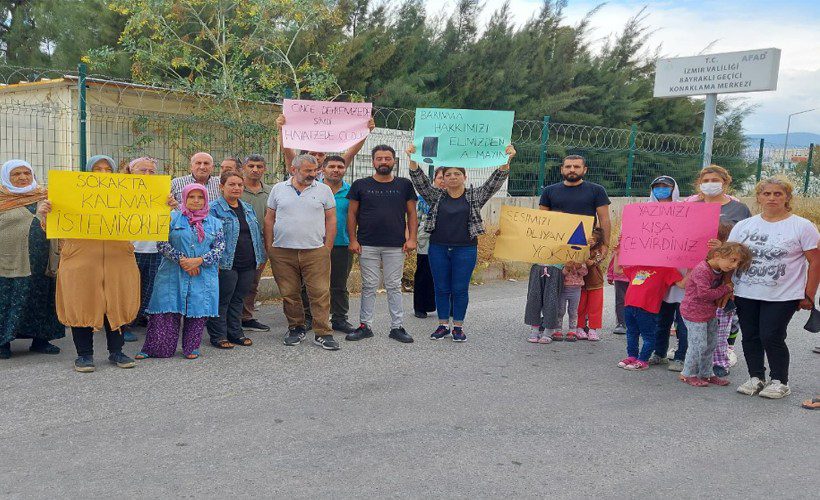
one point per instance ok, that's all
(662, 192)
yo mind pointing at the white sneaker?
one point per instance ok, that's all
(751, 387)
(732, 357)
(675, 365)
(775, 390)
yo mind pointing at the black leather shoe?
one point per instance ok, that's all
(420, 314)
(401, 335)
(360, 333)
(342, 326)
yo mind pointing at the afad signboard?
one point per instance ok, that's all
(747, 71)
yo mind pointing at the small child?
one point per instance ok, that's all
(647, 287)
(591, 307)
(543, 291)
(621, 283)
(708, 282)
(569, 299)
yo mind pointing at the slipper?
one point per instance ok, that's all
(141, 355)
(693, 381)
(222, 344)
(812, 404)
(243, 341)
(193, 355)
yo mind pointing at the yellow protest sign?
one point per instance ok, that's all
(542, 237)
(98, 206)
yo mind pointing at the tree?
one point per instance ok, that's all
(233, 49)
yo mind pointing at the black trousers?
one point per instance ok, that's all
(763, 327)
(424, 293)
(84, 339)
(233, 286)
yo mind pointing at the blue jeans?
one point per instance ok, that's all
(452, 268)
(670, 313)
(643, 324)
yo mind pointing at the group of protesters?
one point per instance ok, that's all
(224, 230)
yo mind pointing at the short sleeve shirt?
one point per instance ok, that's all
(583, 199)
(300, 216)
(779, 267)
(382, 210)
(648, 285)
(342, 203)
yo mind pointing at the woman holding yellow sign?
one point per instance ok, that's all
(454, 223)
(27, 263)
(96, 281)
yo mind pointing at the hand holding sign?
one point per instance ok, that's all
(542, 237)
(667, 234)
(462, 137)
(324, 126)
(100, 206)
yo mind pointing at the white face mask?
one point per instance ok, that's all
(711, 188)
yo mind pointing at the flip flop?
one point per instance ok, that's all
(193, 355)
(243, 341)
(223, 344)
(812, 404)
(141, 355)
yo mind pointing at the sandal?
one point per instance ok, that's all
(571, 337)
(812, 404)
(141, 355)
(693, 381)
(222, 344)
(243, 341)
(557, 336)
(193, 355)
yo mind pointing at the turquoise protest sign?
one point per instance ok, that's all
(466, 138)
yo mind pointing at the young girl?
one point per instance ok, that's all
(591, 307)
(708, 282)
(569, 299)
(647, 287)
(543, 291)
(186, 287)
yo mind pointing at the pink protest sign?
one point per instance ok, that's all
(324, 126)
(667, 234)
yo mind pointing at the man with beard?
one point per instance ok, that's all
(202, 166)
(576, 196)
(382, 210)
(300, 227)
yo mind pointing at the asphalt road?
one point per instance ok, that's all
(495, 417)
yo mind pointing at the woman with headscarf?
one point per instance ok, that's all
(187, 284)
(146, 252)
(27, 261)
(97, 288)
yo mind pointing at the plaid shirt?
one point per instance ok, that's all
(476, 198)
(213, 187)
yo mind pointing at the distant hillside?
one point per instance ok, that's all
(796, 139)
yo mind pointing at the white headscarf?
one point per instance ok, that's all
(5, 177)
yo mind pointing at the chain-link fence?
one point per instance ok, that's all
(43, 113)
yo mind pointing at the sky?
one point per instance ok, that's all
(686, 28)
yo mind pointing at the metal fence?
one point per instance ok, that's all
(53, 120)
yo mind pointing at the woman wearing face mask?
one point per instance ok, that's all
(27, 265)
(712, 185)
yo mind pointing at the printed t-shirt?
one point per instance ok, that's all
(648, 285)
(382, 210)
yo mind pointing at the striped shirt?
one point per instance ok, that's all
(177, 184)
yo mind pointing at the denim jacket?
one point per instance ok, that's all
(230, 226)
(175, 291)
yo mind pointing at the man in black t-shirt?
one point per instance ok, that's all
(382, 210)
(576, 196)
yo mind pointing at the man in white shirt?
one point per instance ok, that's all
(300, 226)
